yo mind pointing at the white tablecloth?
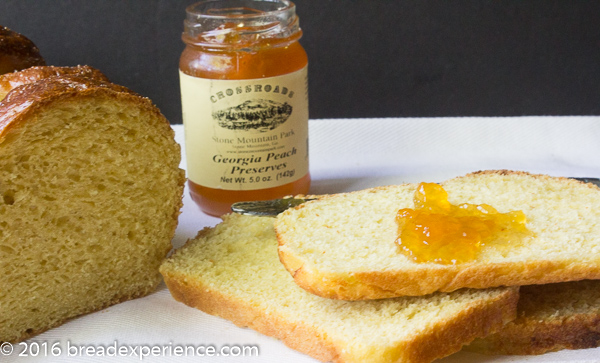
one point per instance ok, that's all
(345, 154)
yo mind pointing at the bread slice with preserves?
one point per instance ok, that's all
(12, 80)
(90, 192)
(233, 271)
(342, 246)
(17, 52)
(549, 318)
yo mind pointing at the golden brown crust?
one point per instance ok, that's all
(30, 97)
(475, 321)
(549, 318)
(17, 52)
(440, 340)
(244, 314)
(12, 80)
(423, 280)
(507, 172)
(539, 337)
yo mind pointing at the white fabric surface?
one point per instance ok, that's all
(345, 154)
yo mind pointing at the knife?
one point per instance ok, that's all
(273, 207)
(267, 207)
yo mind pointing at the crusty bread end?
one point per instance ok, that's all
(549, 318)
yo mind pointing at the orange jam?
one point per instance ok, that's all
(438, 231)
(245, 40)
(266, 61)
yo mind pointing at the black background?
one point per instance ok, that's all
(368, 58)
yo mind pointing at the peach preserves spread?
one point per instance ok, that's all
(438, 231)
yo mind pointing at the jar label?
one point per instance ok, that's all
(246, 134)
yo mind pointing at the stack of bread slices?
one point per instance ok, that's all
(90, 191)
(327, 279)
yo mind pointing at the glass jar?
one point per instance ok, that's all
(244, 92)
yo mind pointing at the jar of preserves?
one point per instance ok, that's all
(244, 90)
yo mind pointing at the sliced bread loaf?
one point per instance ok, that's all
(549, 318)
(90, 192)
(233, 271)
(342, 246)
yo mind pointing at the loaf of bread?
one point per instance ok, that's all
(342, 246)
(12, 80)
(549, 318)
(233, 271)
(90, 193)
(17, 52)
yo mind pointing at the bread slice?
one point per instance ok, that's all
(12, 80)
(90, 192)
(342, 246)
(233, 271)
(17, 52)
(549, 318)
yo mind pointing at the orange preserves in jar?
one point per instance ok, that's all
(438, 231)
(244, 93)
